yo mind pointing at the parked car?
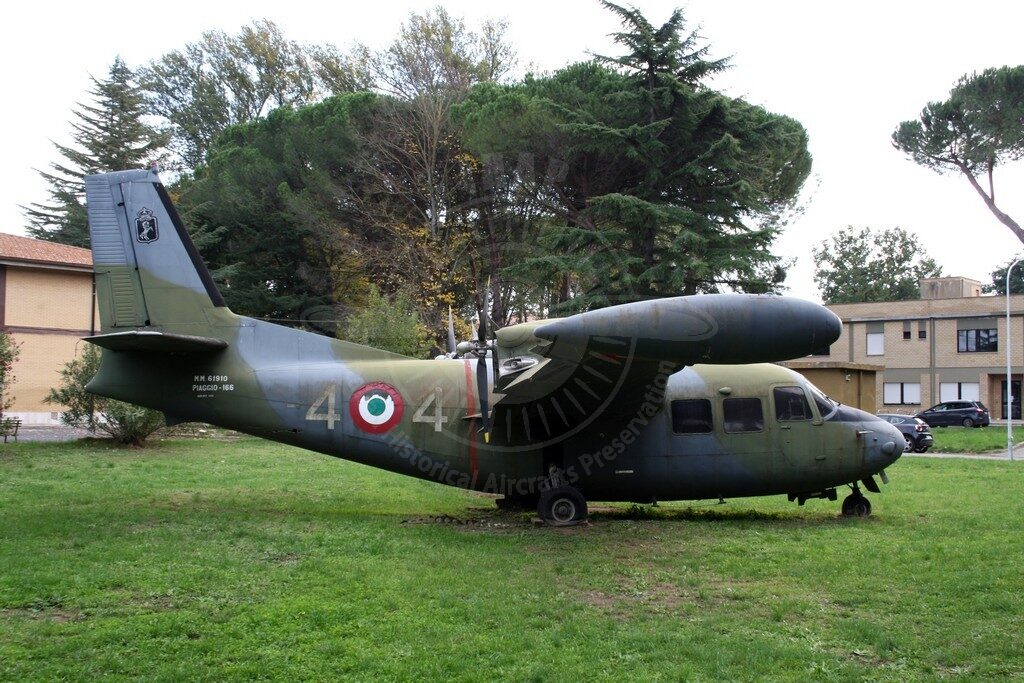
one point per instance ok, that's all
(956, 413)
(915, 431)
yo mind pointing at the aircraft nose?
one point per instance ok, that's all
(829, 328)
(892, 442)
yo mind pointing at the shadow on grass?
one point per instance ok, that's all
(717, 514)
(606, 513)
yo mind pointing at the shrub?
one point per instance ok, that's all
(124, 422)
(390, 325)
(8, 354)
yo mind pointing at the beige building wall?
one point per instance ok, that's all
(48, 298)
(47, 312)
(935, 359)
(37, 369)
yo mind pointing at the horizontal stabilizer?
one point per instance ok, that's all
(157, 342)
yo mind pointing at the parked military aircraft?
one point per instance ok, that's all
(670, 399)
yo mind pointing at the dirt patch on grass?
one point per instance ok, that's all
(53, 614)
(496, 521)
(632, 593)
(282, 558)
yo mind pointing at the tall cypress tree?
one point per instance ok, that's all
(109, 134)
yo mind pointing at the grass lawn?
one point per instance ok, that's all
(242, 560)
(974, 440)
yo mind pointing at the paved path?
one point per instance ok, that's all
(1017, 455)
(50, 434)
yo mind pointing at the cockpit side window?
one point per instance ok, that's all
(791, 404)
(743, 415)
(826, 406)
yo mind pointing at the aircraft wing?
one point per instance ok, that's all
(603, 368)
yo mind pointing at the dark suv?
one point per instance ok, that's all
(956, 413)
(915, 431)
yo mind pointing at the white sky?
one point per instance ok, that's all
(848, 72)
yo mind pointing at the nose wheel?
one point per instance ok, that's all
(856, 505)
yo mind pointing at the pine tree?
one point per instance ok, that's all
(109, 134)
(666, 187)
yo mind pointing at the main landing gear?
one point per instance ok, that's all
(559, 504)
(562, 506)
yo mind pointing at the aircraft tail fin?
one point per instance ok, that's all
(148, 272)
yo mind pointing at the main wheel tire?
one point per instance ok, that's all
(922, 449)
(856, 505)
(562, 506)
(968, 422)
(910, 443)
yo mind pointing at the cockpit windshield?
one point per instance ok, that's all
(826, 406)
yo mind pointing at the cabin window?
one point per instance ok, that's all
(743, 415)
(691, 416)
(791, 404)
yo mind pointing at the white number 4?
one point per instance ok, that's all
(330, 417)
(437, 419)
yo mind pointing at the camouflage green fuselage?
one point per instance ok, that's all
(265, 383)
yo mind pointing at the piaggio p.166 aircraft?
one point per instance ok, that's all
(671, 399)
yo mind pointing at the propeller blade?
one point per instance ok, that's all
(451, 333)
(482, 392)
(485, 313)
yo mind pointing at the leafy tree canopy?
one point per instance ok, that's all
(980, 127)
(998, 285)
(224, 79)
(266, 213)
(860, 264)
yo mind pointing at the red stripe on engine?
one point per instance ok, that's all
(470, 409)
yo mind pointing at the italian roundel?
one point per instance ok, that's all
(376, 407)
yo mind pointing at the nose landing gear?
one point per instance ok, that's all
(856, 504)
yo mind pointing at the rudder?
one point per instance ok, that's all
(148, 272)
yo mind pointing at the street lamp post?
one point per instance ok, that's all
(1009, 383)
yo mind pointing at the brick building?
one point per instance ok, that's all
(47, 305)
(946, 346)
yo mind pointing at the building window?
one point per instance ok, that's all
(743, 415)
(901, 393)
(922, 329)
(906, 330)
(791, 404)
(959, 391)
(977, 341)
(691, 416)
(876, 343)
